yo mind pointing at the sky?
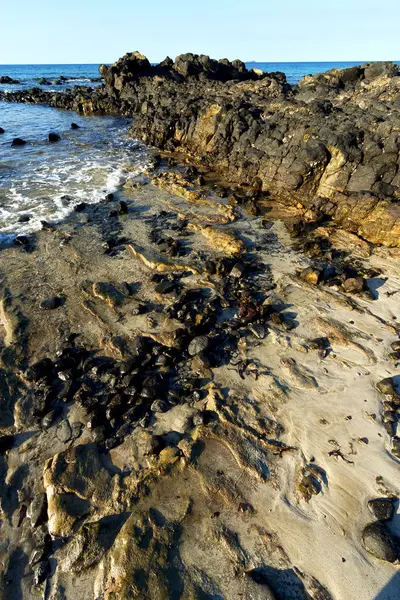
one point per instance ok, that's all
(88, 31)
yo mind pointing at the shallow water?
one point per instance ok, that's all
(86, 164)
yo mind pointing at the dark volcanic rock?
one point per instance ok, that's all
(378, 541)
(51, 303)
(54, 137)
(74, 126)
(329, 145)
(7, 79)
(2, 130)
(382, 508)
(385, 386)
(18, 142)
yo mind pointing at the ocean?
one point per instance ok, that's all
(88, 162)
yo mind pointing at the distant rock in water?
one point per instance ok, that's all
(18, 142)
(1, 130)
(74, 126)
(6, 79)
(54, 137)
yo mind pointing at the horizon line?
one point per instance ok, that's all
(283, 62)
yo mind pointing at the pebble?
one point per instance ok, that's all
(310, 275)
(159, 406)
(354, 285)
(385, 386)
(258, 330)
(378, 541)
(381, 508)
(238, 270)
(37, 511)
(50, 303)
(198, 344)
(395, 346)
(64, 431)
(122, 207)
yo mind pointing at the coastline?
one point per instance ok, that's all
(195, 411)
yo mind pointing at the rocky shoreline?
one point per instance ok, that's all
(328, 146)
(199, 382)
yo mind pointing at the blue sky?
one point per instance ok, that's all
(88, 31)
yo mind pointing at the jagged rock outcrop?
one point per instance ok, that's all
(329, 146)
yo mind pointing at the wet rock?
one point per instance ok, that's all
(354, 285)
(378, 541)
(385, 386)
(64, 431)
(198, 344)
(54, 137)
(80, 207)
(24, 218)
(395, 346)
(2, 130)
(51, 303)
(74, 126)
(310, 275)
(18, 142)
(382, 508)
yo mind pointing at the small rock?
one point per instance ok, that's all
(98, 434)
(122, 207)
(238, 270)
(165, 287)
(77, 429)
(198, 344)
(378, 541)
(54, 137)
(159, 406)
(258, 330)
(395, 346)
(354, 285)
(381, 508)
(64, 431)
(74, 126)
(385, 386)
(310, 275)
(24, 218)
(18, 142)
(80, 207)
(37, 511)
(1, 130)
(48, 419)
(51, 303)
